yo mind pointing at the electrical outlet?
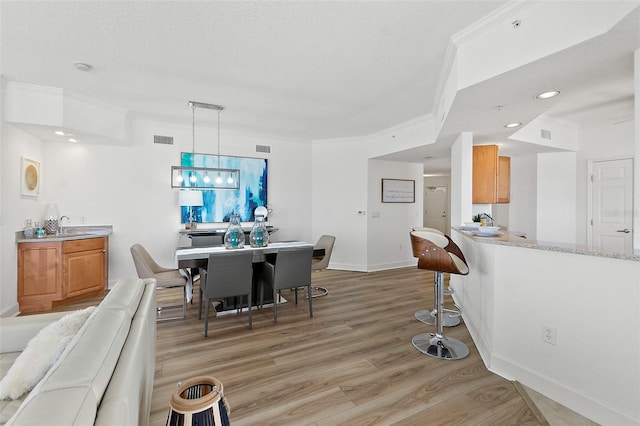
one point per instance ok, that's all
(549, 335)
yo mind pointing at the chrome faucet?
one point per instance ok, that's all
(60, 227)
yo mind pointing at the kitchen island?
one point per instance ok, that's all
(561, 319)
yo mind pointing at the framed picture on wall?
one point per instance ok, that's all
(220, 204)
(29, 177)
(398, 191)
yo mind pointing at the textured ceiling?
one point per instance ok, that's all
(305, 69)
(308, 69)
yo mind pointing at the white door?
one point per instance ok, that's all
(436, 208)
(612, 194)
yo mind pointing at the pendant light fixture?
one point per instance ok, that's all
(200, 177)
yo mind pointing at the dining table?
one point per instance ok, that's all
(191, 259)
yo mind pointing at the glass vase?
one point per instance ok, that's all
(51, 219)
(234, 237)
(28, 230)
(259, 236)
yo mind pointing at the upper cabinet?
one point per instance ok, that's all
(491, 175)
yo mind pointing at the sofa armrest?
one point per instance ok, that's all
(15, 332)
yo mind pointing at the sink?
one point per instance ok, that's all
(71, 232)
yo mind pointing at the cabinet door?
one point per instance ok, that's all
(83, 272)
(84, 266)
(485, 174)
(39, 275)
(504, 179)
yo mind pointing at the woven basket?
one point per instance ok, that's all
(199, 401)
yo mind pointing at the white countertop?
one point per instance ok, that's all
(79, 232)
(508, 238)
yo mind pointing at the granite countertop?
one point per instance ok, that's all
(508, 238)
(79, 232)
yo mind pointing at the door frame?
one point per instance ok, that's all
(590, 192)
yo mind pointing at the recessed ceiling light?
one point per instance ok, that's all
(512, 125)
(59, 132)
(72, 140)
(547, 95)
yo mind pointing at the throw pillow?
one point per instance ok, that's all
(41, 353)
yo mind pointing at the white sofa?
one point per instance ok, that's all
(105, 374)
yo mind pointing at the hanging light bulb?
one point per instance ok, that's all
(206, 178)
(192, 177)
(219, 178)
(179, 178)
(230, 179)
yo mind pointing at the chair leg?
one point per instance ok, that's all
(200, 304)
(184, 303)
(206, 318)
(310, 304)
(249, 308)
(275, 306)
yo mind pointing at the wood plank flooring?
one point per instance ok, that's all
(352, 363)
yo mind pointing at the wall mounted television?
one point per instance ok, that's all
(221, 204)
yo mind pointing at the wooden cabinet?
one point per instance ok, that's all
(491, 175)
(56, 273)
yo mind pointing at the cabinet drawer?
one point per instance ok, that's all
(83, 245)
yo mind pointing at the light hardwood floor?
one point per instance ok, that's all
(352, 364)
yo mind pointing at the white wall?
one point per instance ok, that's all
(636, 163)
(556, 214)
(339, 188)
(524, 201)
(16, 208)
(461, 179)
(508, 298)
(129, 188)
(389, 224)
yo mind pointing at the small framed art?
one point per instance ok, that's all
(398, 191)
(30, 177)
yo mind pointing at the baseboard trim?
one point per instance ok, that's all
(532, 405)
(570, 398)
(12, 311)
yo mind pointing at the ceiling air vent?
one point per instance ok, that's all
(165, 140)
(545, 134)
(263, 148)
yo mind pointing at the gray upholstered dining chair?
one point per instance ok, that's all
(292, 269)
(318, 264)
(226, 276)
(166, 278)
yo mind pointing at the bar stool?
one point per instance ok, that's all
(419, 238)
(440, 260)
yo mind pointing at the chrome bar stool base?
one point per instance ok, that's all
(440, 347)
(429, 317)
(318, 292)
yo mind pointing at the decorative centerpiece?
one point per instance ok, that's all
(199, 401)
(51, 219)
(259, 236)
(234, 237)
